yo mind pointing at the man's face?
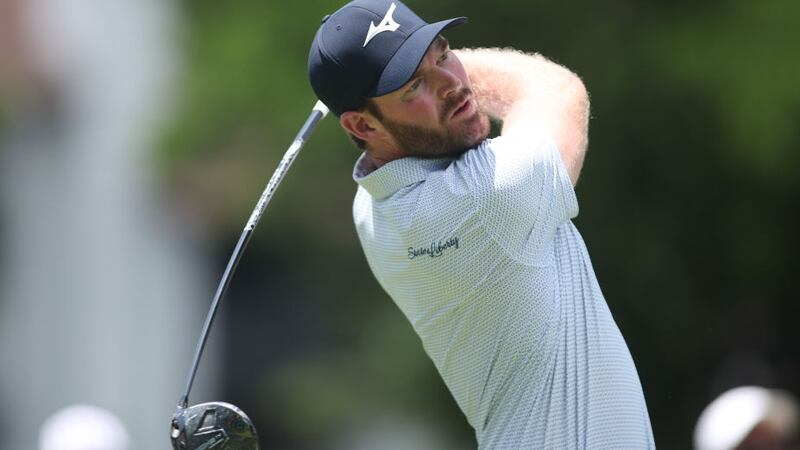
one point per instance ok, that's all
(435, 113)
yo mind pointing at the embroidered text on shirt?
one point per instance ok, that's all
(434, 250)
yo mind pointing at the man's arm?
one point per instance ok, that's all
(531, 94)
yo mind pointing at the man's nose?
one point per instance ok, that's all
(449, 83)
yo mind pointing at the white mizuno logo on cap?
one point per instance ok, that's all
(387, 24)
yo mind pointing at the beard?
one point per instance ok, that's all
(445, 139)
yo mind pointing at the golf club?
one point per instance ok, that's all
(219, 425)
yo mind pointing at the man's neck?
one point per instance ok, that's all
(380, 156)
(374, 162)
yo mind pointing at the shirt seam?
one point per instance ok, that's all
(491, 233)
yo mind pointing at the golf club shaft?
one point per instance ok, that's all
(319, 112)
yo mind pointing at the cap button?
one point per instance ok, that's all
(325, 19)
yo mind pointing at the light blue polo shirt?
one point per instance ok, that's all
(480, 254)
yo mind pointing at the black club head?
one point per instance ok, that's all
(213, 426)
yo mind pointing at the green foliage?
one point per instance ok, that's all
(741, 58)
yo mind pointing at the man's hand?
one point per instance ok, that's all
(531, 94)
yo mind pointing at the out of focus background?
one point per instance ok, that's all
(137, 135)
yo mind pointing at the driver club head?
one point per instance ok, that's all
(212, 426)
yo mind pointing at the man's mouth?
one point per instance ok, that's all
(465, 107)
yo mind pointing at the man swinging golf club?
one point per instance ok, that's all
(471, 236)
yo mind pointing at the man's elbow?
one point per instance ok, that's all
(579, 99)
(576, 139)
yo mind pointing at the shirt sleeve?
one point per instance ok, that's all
(522, 193)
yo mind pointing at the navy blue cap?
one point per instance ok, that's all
(368, 48)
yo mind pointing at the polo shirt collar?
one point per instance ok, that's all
(395, 175)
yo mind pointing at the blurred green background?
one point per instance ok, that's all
(688, 207)
(688, 204)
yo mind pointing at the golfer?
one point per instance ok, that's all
(472, 236)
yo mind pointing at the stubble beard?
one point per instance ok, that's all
(444, 140)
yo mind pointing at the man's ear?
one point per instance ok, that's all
(360, 125)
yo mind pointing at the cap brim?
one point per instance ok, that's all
(408, 57)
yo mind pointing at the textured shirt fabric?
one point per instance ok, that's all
(481, 256)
